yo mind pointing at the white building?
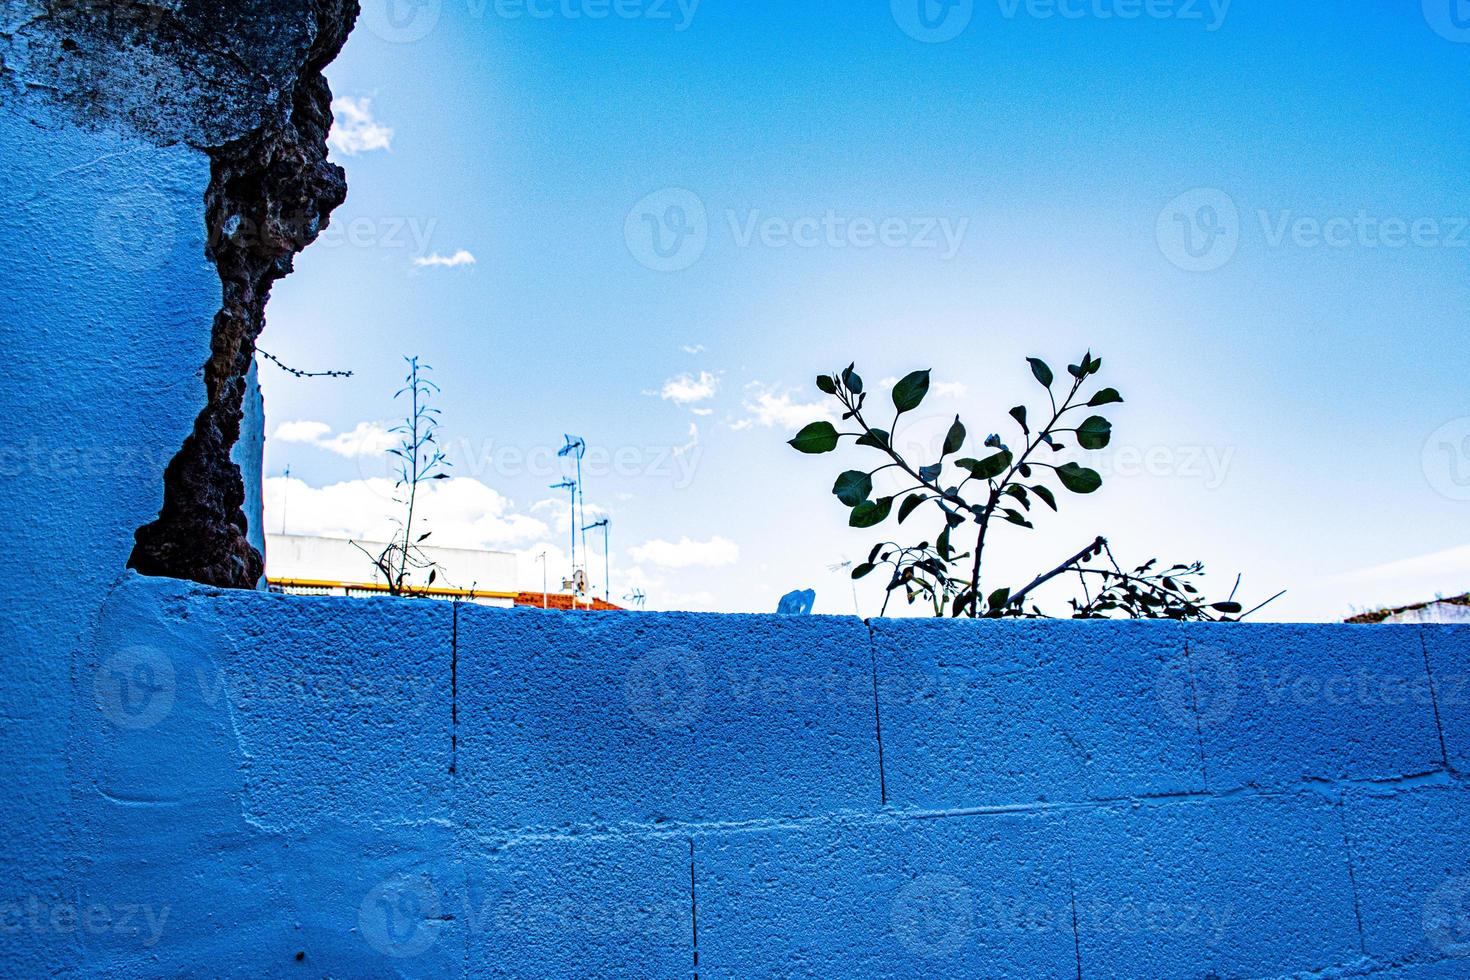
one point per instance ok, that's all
(303, 565)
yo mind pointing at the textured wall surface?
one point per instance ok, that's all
(267, 784)
(206, 783)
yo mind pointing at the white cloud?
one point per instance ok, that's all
(687, 553)
(693, 349)
(559, 511)
(1451, 568)
(367, 439)
(462, 513)
(941, 389)
(765, 407)
(462, 257)
(685, 389)
(355, 130)
(702, 412)
(693, 442)
(302, 431)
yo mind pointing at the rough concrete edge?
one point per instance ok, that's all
(271, 193)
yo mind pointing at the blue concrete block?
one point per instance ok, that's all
(569, 720)
(990, 713)
(577, 907)
(344, 708)
(1247, 887)
(1297, 703)
(1448, 649)
(1412, 864)
(975, 896)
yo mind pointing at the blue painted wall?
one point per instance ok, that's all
(409, 788)
(208, 784)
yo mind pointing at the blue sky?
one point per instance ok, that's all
(1015, 179)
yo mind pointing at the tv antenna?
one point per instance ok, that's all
(577, 447)
(606, 562)
(636, 597)
(572, 486)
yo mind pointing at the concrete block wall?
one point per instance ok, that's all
(395, 788)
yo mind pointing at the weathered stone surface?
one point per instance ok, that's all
(243, 82)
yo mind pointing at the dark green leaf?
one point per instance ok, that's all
(909, 392)
(1108, 396)
(876, 438)
(1019, 414)
(942, 546)
(955, 438)
(910, 502)
(1079, 479)
(1046, 495)
(931, 473)
(819, 437)
(988, 468)
(827, 385)
(1228, 608)
(871, 513)
(1015, 517)
(1040, 369)
(853, 487)
(1000, 598)
(862, 570)
(1095, 433)
(852, 380)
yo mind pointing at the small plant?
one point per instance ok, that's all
(419, 461)
(1002, 486)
